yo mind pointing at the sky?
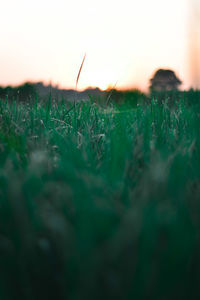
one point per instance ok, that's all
(124, 41)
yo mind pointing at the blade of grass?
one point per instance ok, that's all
(77, 79)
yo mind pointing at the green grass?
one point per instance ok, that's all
(99, 203)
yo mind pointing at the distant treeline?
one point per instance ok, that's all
(23, 92)
(39, 90)
(135, 97)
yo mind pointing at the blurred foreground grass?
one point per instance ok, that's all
(99, 203)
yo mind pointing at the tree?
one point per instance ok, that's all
(164, 80)
(25, 92)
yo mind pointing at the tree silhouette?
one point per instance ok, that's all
(164, 80)
(26, 91)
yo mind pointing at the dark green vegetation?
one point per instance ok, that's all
(30, 90)
(100, 203)
(23, 92)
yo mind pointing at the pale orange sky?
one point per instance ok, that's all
(125, 41)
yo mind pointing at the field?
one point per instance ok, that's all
(100, 202)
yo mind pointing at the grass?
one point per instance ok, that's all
(99, 203)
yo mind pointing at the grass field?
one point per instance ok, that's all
(100, 202)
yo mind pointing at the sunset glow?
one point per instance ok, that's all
(124, 41)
